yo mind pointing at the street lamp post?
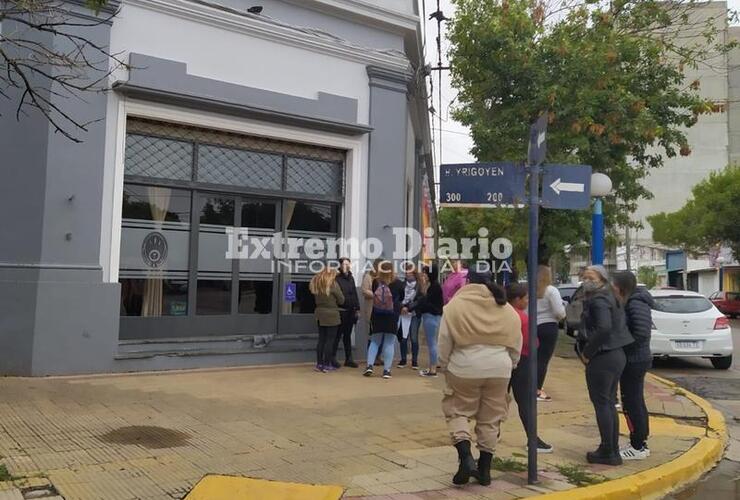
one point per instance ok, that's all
(601, 185)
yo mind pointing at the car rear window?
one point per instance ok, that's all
(566, 292)
(681, 304)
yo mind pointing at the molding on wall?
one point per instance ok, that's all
(269, 29)
(363, 10)
(166, 81)
(395, 80)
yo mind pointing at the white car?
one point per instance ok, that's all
(687, 324)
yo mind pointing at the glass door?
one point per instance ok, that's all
(257, 281)
(303, 220)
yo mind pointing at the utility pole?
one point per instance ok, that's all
(628, 245)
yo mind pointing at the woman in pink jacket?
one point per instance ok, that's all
(455, 281)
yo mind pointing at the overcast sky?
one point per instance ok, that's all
(456, 143)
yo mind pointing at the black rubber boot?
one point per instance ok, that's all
(484, 468)
(467, 463)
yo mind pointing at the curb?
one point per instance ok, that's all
(663, 479)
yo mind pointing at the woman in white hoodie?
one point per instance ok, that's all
(480, 341)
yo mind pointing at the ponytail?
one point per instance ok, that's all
(485, 278)
(499, 294)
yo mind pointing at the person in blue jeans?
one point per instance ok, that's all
(429, 306)
(387, 296)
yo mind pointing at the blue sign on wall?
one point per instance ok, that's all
(566, 186)
(290, 292)
(497, 184)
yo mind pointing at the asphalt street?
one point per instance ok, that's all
(722, 389)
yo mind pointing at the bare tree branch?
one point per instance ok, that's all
(45, 76)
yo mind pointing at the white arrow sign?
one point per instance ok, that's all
(572, 187)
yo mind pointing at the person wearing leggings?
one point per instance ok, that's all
(329, 298)
(638, 305)
(517, 295)
(601, 341)
(550, 310)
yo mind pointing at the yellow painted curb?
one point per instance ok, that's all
(659, 481)
(218, 487)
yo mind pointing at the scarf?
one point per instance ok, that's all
(474, 318)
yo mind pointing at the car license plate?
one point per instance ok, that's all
(686, 344)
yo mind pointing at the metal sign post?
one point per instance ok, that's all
(501, 184)
(536, 155)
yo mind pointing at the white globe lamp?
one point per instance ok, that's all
(601, 185)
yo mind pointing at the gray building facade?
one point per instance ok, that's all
(308, 120)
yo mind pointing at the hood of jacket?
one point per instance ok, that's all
(474, 318)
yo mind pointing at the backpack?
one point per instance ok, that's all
(383, 300)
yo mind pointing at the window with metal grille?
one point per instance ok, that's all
(173, 152)
(238, 167)
(149, 156)
(313, 176)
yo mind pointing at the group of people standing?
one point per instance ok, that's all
(397, 308)
(477, 332)
(483, 345)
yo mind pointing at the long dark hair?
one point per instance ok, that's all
(432, 272)
(626, 283)
(485, 278)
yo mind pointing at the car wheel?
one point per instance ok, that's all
(723, 363)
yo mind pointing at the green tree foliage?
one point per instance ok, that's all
(711, 217)
(612, 76)
(648, 276)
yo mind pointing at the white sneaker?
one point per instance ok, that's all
(629, 453)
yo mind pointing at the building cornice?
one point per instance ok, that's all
(269, 29)
(395, 80)
(360, 9)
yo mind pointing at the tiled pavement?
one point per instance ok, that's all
(153, 436)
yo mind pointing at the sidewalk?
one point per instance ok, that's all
(154, 436)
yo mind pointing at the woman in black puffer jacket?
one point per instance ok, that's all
(638, 304)
(602, 337)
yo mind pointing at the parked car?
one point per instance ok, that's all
(567, 290)
(728, 303)
(687, 324)
(566, 293)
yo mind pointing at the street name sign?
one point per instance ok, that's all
(496, 184)
(538, 140)
(566, 187)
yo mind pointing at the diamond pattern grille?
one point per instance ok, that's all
(233, 140)
(238, 167)
(154, 157)
(165, 150)
(313, 176)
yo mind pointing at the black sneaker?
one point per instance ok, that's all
(402, 364)
(386, 374)
(368, 371)
(415, 367)
(350, 364)
(601, 457)
(543, 447)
